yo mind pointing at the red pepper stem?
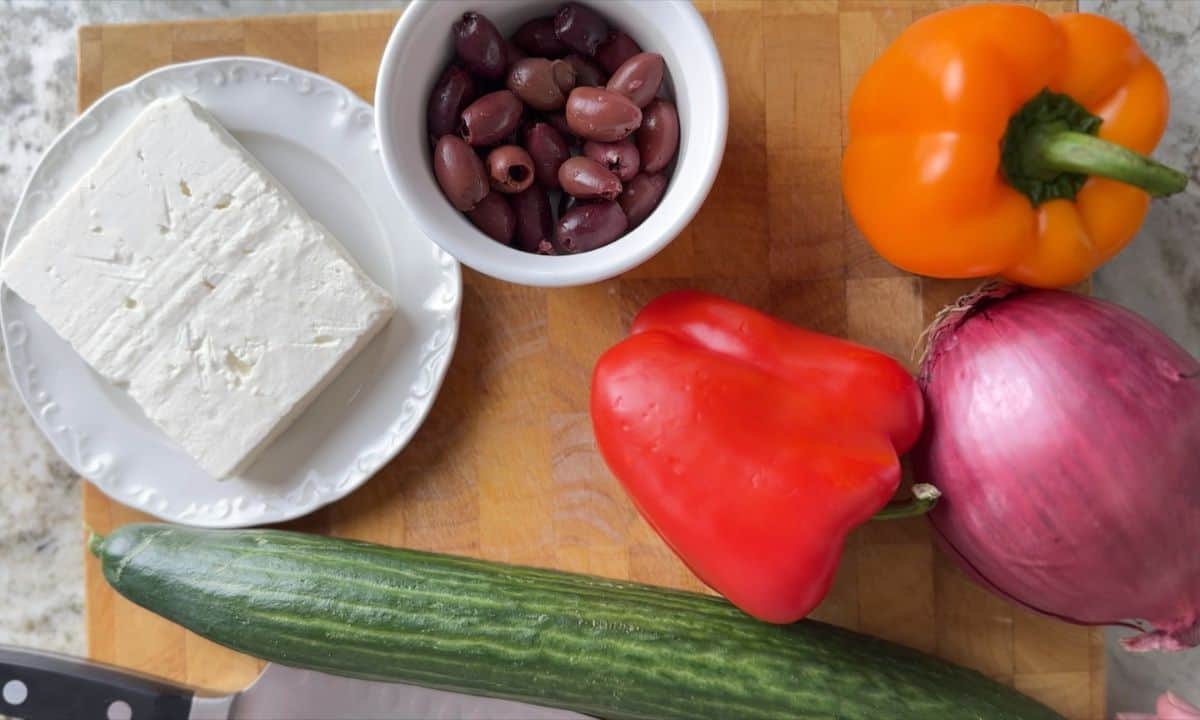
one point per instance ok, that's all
(1076, 152)
(924, 497)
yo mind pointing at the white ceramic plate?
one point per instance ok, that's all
(319, 140)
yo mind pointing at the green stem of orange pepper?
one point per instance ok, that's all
(924, 497)
(1050, 149)
(1059, 151)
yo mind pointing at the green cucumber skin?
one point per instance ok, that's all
(616, 650)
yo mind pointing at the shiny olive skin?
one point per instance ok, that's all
(453, 92)
(510, 169)
(640, 196)
(638, 78)
(491, 118)
(621, 158)
(512, 55)
(516, 136)
(587, 73)
(565, 203)
(614, 51)
(588, 226)
(580, 28)
(537, 39)
(564, 76)
(542, 84)
(658, 138)
(602, 115)
(535, 222)
(459, 172)
(558, 121)
(479, 45)
(549, 150)
(495, 218)
(587, 179)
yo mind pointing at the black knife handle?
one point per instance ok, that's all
(37, 685)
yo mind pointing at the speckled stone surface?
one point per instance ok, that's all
(1158, 276)
(41, 583)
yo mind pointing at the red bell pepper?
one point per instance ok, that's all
(750, 445)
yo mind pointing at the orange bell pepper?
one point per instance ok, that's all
(995, 139)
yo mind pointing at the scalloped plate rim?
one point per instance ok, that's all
(435, 359)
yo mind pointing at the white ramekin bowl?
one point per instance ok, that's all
(418, 50)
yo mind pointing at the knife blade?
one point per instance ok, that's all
(37, 685)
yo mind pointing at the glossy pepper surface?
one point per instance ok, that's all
(752, 446)
(995, 139)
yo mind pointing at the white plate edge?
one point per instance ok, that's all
(437, 359)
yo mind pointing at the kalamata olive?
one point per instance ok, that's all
(638, 78)
(558, 121)
(510, 169)
(516, 137)
(598, 114)
(512, 54)
(641, 196)
(565, 203)
(454, 90)
(535, 223)
(621, 157)
(537, 38)
(495, 218)
(587, 179)
(490, 118)
(588, 226)
(614, 51)
(548, 150)
(479, 45)
(658, 138)
(459, 172)
(580, 28)
(542, 84)
(564, 76)
(587, 73)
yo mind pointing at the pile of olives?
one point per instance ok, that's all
(566, 116)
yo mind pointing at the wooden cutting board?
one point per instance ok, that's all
(505, 467)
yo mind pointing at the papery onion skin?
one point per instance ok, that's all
(1064, 434)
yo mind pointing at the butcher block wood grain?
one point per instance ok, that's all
(505, 468)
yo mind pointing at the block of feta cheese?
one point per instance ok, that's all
(181, 270)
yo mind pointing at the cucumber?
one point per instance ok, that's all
(611, 649)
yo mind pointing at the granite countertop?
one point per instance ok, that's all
(41, 573)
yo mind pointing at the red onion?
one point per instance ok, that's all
(1064, 434)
